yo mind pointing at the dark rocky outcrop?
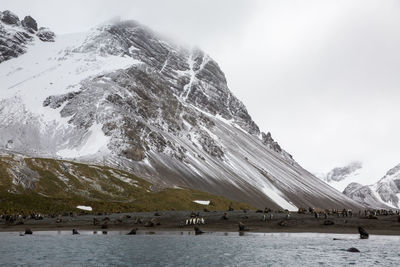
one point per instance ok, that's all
(30, 23)
(9, 18)
(352, 250)
(268, 140)
(14, 40)
(28, 231)
(75, 232)
(45, 34)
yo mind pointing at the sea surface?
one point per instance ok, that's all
(61, 248)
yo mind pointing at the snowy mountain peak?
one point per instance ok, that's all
(340, 177)
(384, 193)
(121, 95)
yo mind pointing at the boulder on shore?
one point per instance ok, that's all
(352, 250)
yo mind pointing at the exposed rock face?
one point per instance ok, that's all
(12, 42)
(30, 23)
(45, 34)
(165, 113)
(383, 194)
(9, 18)
(363, 194)
(16, 35)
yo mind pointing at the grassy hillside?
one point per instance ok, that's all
(53, 186)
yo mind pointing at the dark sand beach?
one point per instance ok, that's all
(176, 221)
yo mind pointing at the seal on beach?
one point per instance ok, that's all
(230, 208)
(352, 250)
(282, 223)
(104, 225)
(151, 223)
(242, 227)
(197, 230)
(28, 231)
(132, 232)
(75, 232)
(363, 233)
(329, 222)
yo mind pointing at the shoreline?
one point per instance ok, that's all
(174, 221)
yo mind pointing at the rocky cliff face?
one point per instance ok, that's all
(121, 95)
(383, 194)
(15, 35)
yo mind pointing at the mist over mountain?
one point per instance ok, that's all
(121, 95)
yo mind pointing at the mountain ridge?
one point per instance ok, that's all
(122, 97)
(382, 194)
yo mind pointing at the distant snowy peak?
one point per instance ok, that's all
(340, 173)
(15, 35)
(385, 193)
(340, 177)
(393, 173)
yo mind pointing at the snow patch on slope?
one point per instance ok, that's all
(96, 142)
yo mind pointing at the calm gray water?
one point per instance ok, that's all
(183, 249)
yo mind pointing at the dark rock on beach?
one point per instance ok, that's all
(28, 231)
(352, 250)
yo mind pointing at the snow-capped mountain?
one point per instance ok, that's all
(340, 177)
(383, 194)
(123, 96)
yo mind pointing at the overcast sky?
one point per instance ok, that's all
(322, 76)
